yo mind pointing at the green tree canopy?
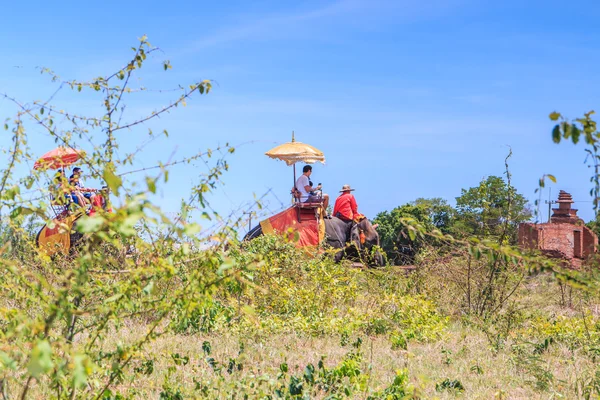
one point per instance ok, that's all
(485, 210)
(441, 214)
(432, 214)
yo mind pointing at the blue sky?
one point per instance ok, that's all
(407, 99)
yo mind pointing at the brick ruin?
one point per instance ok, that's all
(565, 236)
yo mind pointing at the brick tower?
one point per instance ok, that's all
(565, 237)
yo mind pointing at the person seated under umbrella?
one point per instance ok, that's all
(82, 194)
(304, 187)
(87, 195)
(59, 188)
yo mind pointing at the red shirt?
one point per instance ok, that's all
(346, 206)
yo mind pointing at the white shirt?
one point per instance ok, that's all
(300, 184)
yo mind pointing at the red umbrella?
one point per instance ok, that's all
(59, 158)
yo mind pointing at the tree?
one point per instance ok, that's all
(581, 128)
(61, 310)
(431, 214)
(441, 213)
(491, 209)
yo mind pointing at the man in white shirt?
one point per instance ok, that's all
(305, 188)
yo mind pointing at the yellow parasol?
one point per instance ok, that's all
(293, 152)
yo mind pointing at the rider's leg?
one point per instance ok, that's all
(325, 201)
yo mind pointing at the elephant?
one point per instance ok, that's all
(352, 240)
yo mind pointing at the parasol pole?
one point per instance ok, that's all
(293, 140)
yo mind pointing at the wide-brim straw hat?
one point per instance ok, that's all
(346, 188)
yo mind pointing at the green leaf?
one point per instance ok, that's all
(589, 138)
(309, 374)
(113, 298)
(6, 362)
(556, 134)
(90, 224)
(16, 212)
(23, 211)
(206, 348)
(411, 233)
(113, 181)
(283, 368)
(575, 132)
(29, 181)
(554, 116)
(191, 229)
(551, 177)
(40, 361)
(127, 227)
(147, 290)
(11, 192)
(566, 129)
(81, 371)
(151, 184)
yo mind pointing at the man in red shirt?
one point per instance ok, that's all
(345, 205)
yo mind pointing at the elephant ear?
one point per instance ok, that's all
(356, 236)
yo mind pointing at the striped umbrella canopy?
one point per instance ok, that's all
(59, 158)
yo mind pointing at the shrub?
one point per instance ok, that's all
(296, 292)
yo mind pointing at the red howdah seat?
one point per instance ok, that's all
(306, 211)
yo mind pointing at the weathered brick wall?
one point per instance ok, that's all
(590, 242)
(528, 236)
(564, 240)
(565, 237)
(558, 238)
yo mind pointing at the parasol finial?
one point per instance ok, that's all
(293, 140)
